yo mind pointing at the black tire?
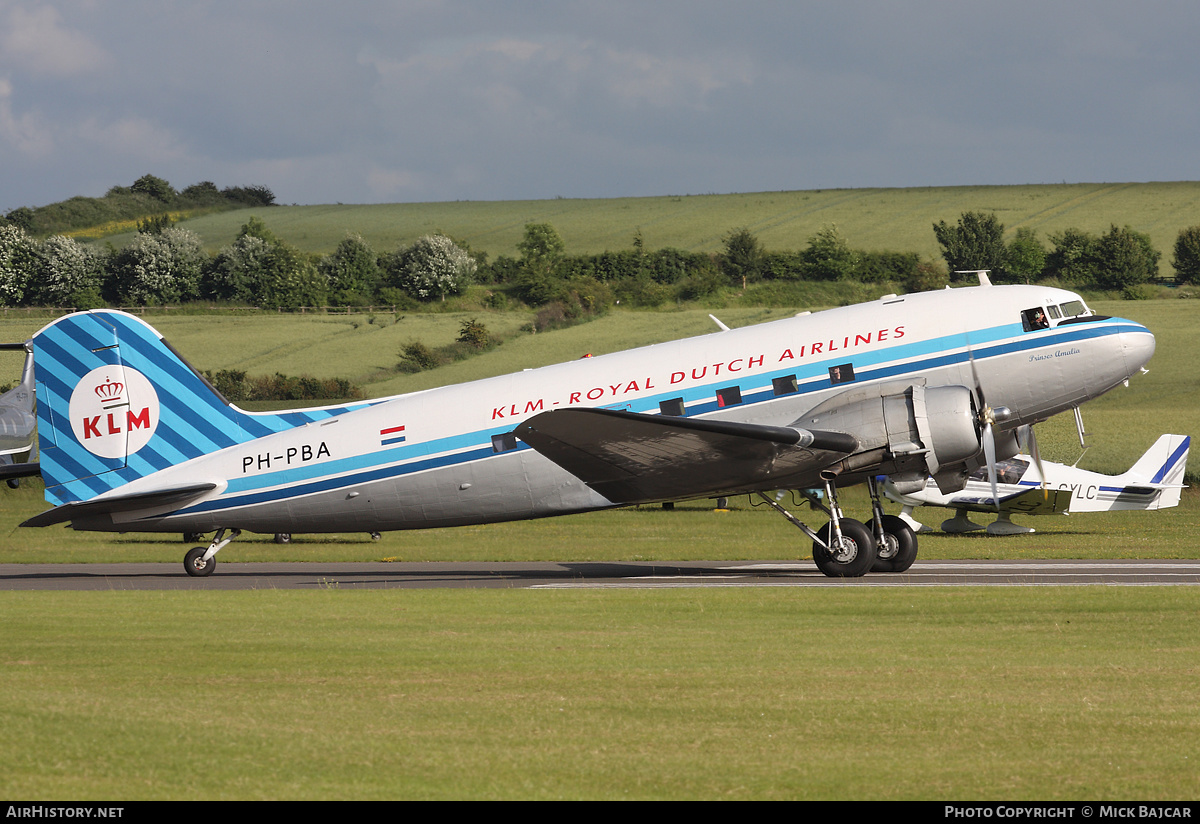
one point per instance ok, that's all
(192, 537)
(854, 558)
(196, 566)
(283, 537)
(901, 550)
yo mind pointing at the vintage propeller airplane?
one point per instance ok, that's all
(1030, 486)
(929, 385)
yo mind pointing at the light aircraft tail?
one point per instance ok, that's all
(115, 403)
(1162, 466)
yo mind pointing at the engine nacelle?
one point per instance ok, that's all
(914, 428)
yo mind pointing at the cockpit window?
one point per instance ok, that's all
(1034, 318)
(1007, 472)
(1073, 309)
(1054, 313)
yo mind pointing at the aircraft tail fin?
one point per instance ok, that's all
(116, 403)
(1163, 464)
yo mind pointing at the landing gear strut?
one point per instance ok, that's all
(200, 561)
(846, 548)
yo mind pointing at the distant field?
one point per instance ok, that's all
(871, 219)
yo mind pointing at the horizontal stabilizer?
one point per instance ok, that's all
(19, 470)
(118, 503)
(633, 458)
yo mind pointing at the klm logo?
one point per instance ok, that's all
(113, 411)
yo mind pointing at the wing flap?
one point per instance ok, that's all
(635, 458)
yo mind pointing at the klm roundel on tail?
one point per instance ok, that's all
(115, 403)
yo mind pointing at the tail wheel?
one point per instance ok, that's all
(196, 566)
(899, 547)
(852, 556)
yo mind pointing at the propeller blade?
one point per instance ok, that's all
(1027, 439)
(987, 417)
(989, 455)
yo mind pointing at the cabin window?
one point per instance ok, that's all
(504, 442)
(842, 373)
(786, 385)
(1034, 318)
(729, 396)
(673, 408)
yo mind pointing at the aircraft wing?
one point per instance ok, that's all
(1031, 501)
(10, 469)
(634, 458)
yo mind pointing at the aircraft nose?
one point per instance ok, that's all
(1137, 345)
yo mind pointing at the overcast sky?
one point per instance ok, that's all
(420, 100)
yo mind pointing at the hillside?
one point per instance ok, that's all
(870, 219)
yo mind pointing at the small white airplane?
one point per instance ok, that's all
(1154, 482)
(132, 438)
(18, 423)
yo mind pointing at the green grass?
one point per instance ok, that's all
(982, 694)
(870, 219)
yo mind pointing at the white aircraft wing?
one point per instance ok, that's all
(1031, 501)
(634, 458)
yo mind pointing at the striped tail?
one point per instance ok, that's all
(116, 403)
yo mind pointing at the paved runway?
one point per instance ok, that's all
(169, 576)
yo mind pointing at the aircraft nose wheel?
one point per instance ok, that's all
(196, 566)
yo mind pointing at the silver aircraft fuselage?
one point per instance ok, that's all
(455, 462)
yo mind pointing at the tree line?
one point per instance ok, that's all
(168, 265)
(148, 195)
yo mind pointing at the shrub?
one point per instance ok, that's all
(416, 356)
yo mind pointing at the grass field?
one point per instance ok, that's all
(954, 694)
(870, 219)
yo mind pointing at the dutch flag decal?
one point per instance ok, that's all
(391, 435)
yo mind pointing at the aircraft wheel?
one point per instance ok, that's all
(195, 565)
(283, 537)
(899, 548)
(852, 557)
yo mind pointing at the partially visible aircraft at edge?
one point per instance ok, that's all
(18, 424)
(929, 385)
(1154, 482)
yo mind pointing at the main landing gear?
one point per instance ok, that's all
(846, 548)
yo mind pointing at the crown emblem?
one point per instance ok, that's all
(110, 390)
